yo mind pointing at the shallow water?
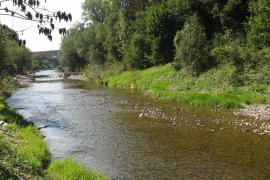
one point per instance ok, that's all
(129, 136)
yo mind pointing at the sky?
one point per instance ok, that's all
(36, 42)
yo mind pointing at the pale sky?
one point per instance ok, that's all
(36, 42)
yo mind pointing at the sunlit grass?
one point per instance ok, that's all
(212, 88)
(23, 152)
(33, 150)
(70, 170)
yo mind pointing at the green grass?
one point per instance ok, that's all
(23, 152)
(33, 150)
(70, 170)
(212, 88)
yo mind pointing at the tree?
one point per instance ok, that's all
(69, 57)
(94, 11)
(258, 24)
(17, 57)
(191, 46)
(160, 32)
(113, 26)
(138, 52)
(14, 57)
(2, 54)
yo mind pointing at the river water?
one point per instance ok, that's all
(129, 136)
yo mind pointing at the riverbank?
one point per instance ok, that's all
(23, 152)
(25, 155)
(212, 88)
(215, 88)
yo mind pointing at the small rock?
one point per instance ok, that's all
(2, 123)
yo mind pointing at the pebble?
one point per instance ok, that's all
(2, 123)
(141, 115)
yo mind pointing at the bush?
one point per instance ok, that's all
(192, 46)
(7, 84)
(230, 48)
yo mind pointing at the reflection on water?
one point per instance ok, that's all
(128, 136)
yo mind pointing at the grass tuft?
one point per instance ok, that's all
(70, 170)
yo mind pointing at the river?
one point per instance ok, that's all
(129, 136)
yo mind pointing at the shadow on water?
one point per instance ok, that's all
(129, 136)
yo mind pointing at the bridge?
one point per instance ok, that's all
(49, 77)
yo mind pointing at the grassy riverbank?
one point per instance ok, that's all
(215, 87)
(24, 153)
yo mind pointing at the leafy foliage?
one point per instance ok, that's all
(258, 25)
(138, 52)
(14, 58)
(192, 46)
(43, 63)
(196, 35)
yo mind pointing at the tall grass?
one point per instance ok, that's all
(33, 150)
(212, 88)
(70, 170)
(23, 152)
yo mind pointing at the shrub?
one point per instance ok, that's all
(230, 48)
(192, 46)
(7, 84)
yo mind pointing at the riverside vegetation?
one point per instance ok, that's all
(201, 52)
(24, 154)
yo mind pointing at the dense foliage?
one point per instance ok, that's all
(197, 35)
(44, 63)
(192, 46)
(15, 57)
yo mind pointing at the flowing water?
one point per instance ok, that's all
(129, 136)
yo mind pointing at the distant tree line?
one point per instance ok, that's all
(192, 34)
(44, 63)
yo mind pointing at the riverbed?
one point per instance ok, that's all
(127, 135)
